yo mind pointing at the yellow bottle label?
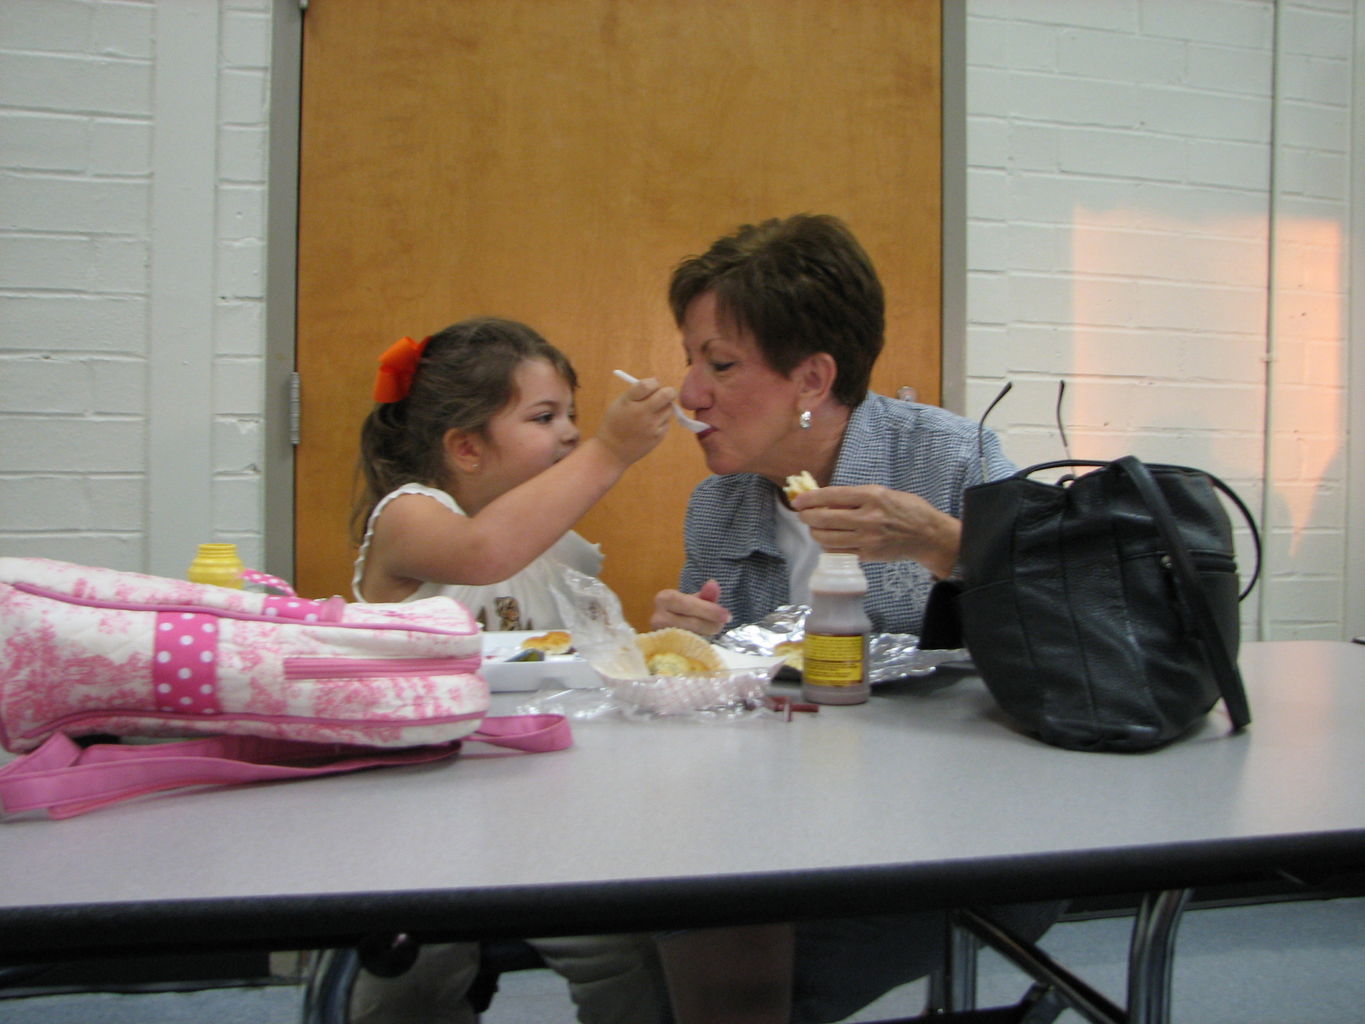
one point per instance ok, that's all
(833, 660)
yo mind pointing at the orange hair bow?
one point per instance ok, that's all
(396, 367)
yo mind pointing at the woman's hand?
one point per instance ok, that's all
(881, 525)
(699, 612)
(637, 420)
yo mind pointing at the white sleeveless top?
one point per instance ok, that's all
(523, 601)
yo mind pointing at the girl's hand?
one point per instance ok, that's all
(697, 612)
(881, 525)
(637, 420)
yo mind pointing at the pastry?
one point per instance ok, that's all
(554, 642)
(791, 653)
(800, 483)
(670, 663)
(676, 652)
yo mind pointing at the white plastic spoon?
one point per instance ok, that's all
(696, 426)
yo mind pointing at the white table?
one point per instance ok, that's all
(924, 797)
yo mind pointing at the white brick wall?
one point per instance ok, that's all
(90, 461)
(75, 117)
(1126, 211)
(239, 318)
(1159, 213)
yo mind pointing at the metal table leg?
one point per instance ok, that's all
(1151, 956)
(954, 987)
(1075, 992)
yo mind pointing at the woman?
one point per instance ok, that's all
(781, 325)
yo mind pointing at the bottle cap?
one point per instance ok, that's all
(218, 550)
(218, 564)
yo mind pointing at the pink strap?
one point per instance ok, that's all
(264, 579)
(534, 734)
(65, 779)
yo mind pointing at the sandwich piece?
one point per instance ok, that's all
(800, 483)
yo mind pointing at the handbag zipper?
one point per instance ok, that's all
(1205, 562)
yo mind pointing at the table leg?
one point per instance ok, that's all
(1028, 957)
(1151, 956)
(954, 987)
(327, 999)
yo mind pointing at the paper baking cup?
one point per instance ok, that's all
(718, 692)
(680, 641)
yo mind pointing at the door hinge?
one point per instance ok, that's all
(295, 407)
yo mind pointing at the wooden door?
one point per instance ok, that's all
(550, 161)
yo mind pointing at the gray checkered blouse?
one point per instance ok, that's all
(730, 529)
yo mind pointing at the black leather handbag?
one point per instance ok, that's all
(1101, 610)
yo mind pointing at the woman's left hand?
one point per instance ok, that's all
(881, 525)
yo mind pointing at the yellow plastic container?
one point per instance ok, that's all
(218, 564)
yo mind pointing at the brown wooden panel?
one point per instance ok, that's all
(551, 160)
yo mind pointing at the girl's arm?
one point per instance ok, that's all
(417, 539)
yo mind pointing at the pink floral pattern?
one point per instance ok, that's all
(79, 654)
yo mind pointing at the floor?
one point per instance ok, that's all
(1278, 962)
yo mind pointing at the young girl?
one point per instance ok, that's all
(475, 476)
(474, 471)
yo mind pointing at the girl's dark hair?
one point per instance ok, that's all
(800, 285)
(463, 379)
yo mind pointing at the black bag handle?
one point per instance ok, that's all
(1228, 492)
(1187, 582)
(1187, 579)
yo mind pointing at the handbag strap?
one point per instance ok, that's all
(1191, 591)
(64, 778)
(1227, 491)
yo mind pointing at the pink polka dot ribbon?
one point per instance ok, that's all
(185, 663)
(264, 579)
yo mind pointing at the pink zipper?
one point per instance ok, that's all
(374, 668)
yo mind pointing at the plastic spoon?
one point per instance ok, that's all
(696, 426)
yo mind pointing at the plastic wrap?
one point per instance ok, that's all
(601, 635)
(605, 640)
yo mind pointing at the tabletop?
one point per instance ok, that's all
(924, 796)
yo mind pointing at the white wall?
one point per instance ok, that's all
(1158, 204)
(132, 199)
(1158, 211)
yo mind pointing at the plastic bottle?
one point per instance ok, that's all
(835, 649)
(218, 564)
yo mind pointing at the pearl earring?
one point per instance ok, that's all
(804, 419)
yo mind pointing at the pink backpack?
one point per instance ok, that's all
(285, 687)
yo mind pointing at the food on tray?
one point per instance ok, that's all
(676, 652)
(554, 642)
(800, 483)
(790, 651)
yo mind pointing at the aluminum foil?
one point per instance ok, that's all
(893, 655)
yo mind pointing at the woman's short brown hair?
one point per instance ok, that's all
(799, 285)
